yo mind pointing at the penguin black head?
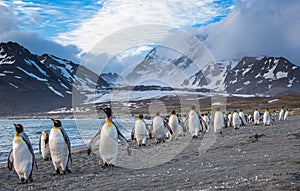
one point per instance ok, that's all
(141, 116)
(56, 123)
(173, 112)
(19, 128)
(107, 111)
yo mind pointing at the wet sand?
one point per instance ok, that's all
(235, 160)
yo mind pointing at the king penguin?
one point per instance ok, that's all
(140, 130)
(44, 145)
(193, 122)
(108, 136)
(173, 123)
(60, 147)
(281, 114)
(286, 114)
(236, 121)
(256, 117)
(21, 157)
(158, 128)
(242, 117)
(267, 117)
(218, 121)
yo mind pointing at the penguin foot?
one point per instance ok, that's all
(143, 145)
(22, 181)
(105, 165)
(194, 137)
(57, 172)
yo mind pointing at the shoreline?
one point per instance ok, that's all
(235, 160)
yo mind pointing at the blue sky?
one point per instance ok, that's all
(234, 27)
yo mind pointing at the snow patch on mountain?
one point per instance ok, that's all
(32, 75)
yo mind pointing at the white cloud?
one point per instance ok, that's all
(119, 14)
(10, 31)
(257, 27)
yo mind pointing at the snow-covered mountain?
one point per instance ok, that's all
(32, 83)
(261, 75)
(37, 83)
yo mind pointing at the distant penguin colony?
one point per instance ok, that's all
(56, 145)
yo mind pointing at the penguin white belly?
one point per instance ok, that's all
(158, 129)
(109, 144)
(22, 158)
(45, 150)
(140, 132)
(266, 118)
(281, 114)
(58, 149)
(173, 123)
(218, 122)
(242, 116)
(256, 117)
(194, 123)
(236, 120)
(229, 120)
(286, 115)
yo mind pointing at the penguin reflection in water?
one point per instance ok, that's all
(21, 157)
(140, 130)
(108, 137)
(60, 147)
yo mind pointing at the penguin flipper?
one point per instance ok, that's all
(67, 140)
(168, 127)
(10, 160)
(123, 140)
(40, 150)
(93, 142)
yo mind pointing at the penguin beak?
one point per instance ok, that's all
(52, 119)
(15, 125)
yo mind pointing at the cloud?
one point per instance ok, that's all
(10, 31)
(116, 15)
(257, 27)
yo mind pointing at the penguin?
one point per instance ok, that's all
(193, 122)
(281, 114)
(218, 121)
(140, 130)
(242, 117)
(108, 137)
(21, 156)
(44, 145)
(158, 128)
(236, 121)
(229, 122)
(173, 123)
(206, 121)
(60, 148)
(256, 116)
(266, 117)
(286, 114)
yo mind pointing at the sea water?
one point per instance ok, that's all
(80, 132)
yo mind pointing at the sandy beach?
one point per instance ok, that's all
(235, 160)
